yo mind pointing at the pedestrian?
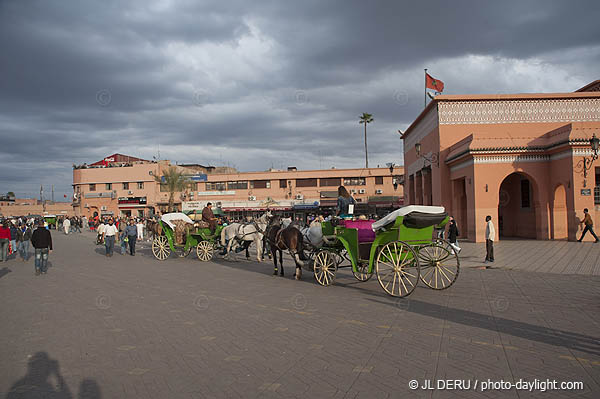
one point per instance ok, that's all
(66, 225)
(490, 235)
(140, 229)
(42, 242)
(23, 241)
(4, 241)
(14, 232)
(110, 231)
(589, 225)
(131, 233)
(123, 238)
(452, 234)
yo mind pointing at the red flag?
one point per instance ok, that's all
(434, 84)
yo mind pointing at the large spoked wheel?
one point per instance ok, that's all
(439, 265)
(325, 267)
(397, 268)
(205, 250)
(160, 247)
(362, 273)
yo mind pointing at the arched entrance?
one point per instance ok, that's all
(559, 214)
(516, 207)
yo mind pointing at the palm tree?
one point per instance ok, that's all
(174, 181)
(366, 118)
(10, 194)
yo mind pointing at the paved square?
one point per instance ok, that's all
(135, 327)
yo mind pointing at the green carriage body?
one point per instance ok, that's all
(396, 245)
(194, 239)
(52, 220)
(348, 237)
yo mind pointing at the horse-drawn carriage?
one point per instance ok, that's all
(177, 233)
(399, 249)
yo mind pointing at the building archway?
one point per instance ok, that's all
(559, 229)
(517, 207)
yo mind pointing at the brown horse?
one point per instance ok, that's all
(290, 239)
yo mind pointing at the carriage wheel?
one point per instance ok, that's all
(160, 248)
(205, 250)
(397, 268)
(325, 267)
(362, 273)
(440, 265)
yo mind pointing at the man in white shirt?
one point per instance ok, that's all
(140, 229)
(490, 235)
(110, 231)
(67, 225)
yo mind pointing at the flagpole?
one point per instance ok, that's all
(425, 91)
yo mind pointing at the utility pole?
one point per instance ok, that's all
(53, 193)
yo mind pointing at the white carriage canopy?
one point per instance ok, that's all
(422, 209)
(170, 217)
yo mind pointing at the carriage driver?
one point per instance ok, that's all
(209, 217)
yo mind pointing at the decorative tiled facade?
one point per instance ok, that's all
(519, 111)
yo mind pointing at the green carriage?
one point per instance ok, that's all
(52, 220)
(400, 249)
(197, 236)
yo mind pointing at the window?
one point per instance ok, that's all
(335, 181)
(140, 185)
(125, 186)
(260, 184)
(378, 179)
(282, 183)
(237, 185)
(92, 187)
(354, 181)
(525, 197)
(108, 186)
(217, 186)
(306, 182)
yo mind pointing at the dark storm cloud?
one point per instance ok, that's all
(259, 84)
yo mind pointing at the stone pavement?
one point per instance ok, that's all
(562, 257)
(135, 327)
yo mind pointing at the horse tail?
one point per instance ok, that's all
(300, 248)
(223, 234)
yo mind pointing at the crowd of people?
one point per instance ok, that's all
(15, 236)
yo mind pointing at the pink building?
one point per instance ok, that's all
(126, 186)
(525, 159)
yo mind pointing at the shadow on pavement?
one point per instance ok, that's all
(4, 271)
(43, 380)
(575, 341)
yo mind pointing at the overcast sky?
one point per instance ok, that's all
(256, 84)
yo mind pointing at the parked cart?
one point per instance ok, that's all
(399, 249)
(195, 235)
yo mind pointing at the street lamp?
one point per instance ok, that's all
(434, 158)
(586, 163)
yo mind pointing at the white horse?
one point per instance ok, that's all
(234, 234)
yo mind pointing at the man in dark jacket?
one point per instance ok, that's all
(42, 242)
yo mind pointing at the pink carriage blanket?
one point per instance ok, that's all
(365, 231)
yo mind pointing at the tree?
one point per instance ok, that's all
(10, 194)
(174, 181)
(365, 119)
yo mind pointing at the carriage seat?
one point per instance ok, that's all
(364, 227)
(419, 220)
